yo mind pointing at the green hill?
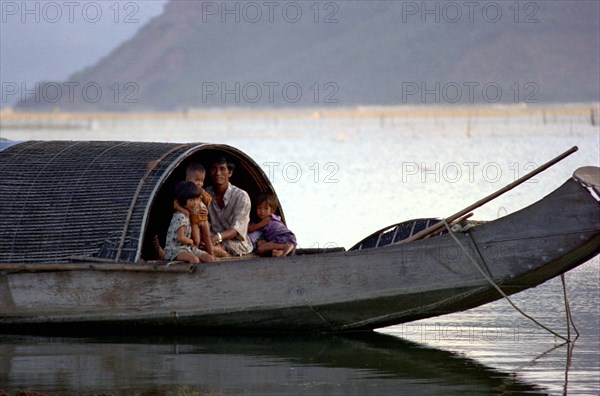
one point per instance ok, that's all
(346, 53)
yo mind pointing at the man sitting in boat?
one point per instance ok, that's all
(229, 209)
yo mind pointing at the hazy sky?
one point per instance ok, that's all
(50, 40)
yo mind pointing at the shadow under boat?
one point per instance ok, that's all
(333, 364)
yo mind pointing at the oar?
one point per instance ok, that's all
(437, 226)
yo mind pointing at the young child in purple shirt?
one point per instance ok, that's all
(269, 234)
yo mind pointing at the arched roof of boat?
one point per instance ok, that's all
(63, 201)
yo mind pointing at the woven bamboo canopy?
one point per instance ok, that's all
(65, 201)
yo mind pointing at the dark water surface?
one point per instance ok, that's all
(350, 365)
(487, 350)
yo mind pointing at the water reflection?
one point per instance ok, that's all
(362, 364)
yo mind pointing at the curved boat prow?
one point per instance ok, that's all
(588, 176)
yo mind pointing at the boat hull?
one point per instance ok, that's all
(332, 292)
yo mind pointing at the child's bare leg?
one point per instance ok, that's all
(196, 234)
(276, 249)
(187, 257)
(159, 251)
(206, 258)
(219, 251)
(283, 252)
(204, 230)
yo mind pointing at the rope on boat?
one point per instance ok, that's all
(331, 327)
(491, 281)
(568, 309)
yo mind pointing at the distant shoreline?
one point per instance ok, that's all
(376, 112)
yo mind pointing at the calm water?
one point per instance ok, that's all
(340, 180)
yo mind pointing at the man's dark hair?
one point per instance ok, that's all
(221, 159)
(185, 190)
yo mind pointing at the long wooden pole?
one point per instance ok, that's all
(437, 226)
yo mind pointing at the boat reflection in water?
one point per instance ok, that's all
(360, 364)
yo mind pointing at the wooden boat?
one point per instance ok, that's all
(77, 220)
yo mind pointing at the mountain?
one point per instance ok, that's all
(204, 54)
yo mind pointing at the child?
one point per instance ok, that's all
(196, 173)
(270, 234)
(180, 246)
